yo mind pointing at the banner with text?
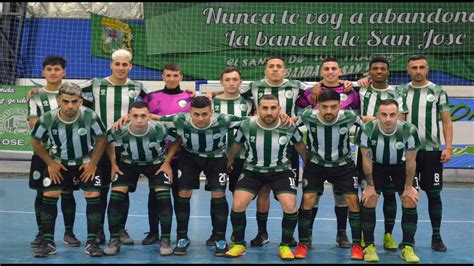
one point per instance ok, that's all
(14, 129)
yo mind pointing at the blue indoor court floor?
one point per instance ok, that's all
(18, 228)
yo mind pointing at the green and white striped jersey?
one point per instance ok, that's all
(287, 93)
(111, 101)
(268, 147)
(145, 149)
(239, 107)
(328, 143)
(209, 142)
(42, 102)
(389, 149)
(424, 106)
(72, 141)
(371, 97)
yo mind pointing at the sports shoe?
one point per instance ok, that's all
(409, 255)
(71, 240)
(357, 252)
(100, 237)
(165, 247)
(46, 248)
(36, 243)
(292, 243)
(438, 245)
(181, 246)
(388, 242)
(125, 238)
(236, 251)
(221, 248)
(260, 240)
(370, 254)
(211, 241)
(285, 253)
(150, 239)
(93, 250)
(113, 247)
(301, 251)
(401, 245)
(342, 241)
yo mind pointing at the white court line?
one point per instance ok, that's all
(208, 217)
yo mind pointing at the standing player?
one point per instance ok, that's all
(330, 72)
(329, 159)
(388, 146)
(203, 149)
(168, 101)
(54, 70)
(268, 163)
(370, 98)
(231, 102)
(111, 99)
(78, 138)
(425, 101)
(143, 142)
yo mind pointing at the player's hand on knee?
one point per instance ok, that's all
(369, 196)
(114, 170)
(410, 196)
(54, 171)
(88, 171)
(167, 170)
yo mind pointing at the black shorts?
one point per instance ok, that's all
(105, 167)
(280, 182)
(37, 169)
(238, 167)
(429, 171)
(131, 173)
(344, 178)
(387, 175)
(190, 167)
(71, 180)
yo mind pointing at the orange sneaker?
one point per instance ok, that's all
(357, 252)
(301, 251)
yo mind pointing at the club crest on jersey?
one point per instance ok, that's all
(46, 182)
(132, 94)
(283, 140)
(289, 94)
(343, 130)
(180, 173)
(398, 145)
(182, 103)
(244, 107)
(241, 176)
(367, 95)
(36, 175)
(115, 178)
(343, 97)
(430, 98)
(216, 136)
(152, 144)
(82, 131)
(305, 182)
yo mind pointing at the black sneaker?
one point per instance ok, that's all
(260, 240)
(46, 248)
(342, 241)
(100, 237)
(182, 246)
(71, 240)
(151, 238)
(93, 250)
(36, 243)
(221, 248)
(211, 241)
(438, 245)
